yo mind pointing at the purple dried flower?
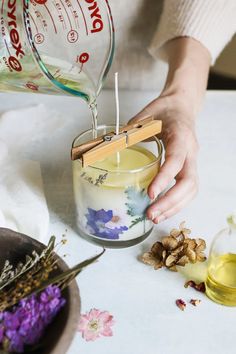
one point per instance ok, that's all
(25, 327)
(51, 292)
(35, 333)
(1, 333)
(11, 321)
(26, 323)
(16, 341)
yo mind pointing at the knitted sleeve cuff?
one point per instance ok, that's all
(211, 22)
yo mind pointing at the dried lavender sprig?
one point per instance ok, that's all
(37, 283)
(9, 276)
(65, 278)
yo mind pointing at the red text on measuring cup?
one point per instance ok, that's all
(13, 61)
(95, 15)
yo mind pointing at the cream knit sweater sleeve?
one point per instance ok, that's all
(211, 22)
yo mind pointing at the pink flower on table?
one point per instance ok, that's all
(95, 324)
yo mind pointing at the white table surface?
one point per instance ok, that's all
(142, 300)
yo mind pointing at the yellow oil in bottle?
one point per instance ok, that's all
(221, 279)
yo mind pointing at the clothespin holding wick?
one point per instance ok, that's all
(110, 143)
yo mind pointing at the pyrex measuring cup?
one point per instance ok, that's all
(55, 46)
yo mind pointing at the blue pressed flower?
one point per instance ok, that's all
(138, 201)
(96, 223)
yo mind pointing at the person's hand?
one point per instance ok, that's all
(181, 147)
(177, 107)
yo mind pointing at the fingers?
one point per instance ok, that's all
(174, 210)
(179, 139)
(177, 197)
(174, 161)
(173, 201)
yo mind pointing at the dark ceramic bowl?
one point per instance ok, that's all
(58, 337)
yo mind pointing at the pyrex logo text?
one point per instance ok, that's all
(95, 16)
(13, 61)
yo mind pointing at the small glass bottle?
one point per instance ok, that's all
(221, 275)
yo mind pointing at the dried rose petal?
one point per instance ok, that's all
(191, 255)
(164, 253)
(191, 243)
(179, 250)
(195, 302)
(181, 304)
(201, 257)
(183, 261)
(199, 287)
(169, 243)
(184, 230)
(190, 283)
(201, 244)
(157, 249)
(170, 261)
(176, 249)
(149, 259)
(173, 268)
(174, 233)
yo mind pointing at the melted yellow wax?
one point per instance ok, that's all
(132, 158)
(131, 169)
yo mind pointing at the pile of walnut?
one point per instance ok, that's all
(174, 250)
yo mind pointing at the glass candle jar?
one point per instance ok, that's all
(111, 195)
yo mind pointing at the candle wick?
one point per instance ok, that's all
(117, 112)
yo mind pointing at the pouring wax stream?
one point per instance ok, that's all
(117, 112)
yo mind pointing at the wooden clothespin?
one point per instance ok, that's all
(111, 143)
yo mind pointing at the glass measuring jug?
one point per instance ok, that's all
(55, 46)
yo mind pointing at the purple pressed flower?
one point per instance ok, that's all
(27, 321)
(11, 321)
(35, 333)
(53, 304)
(21, 313)
(16, 342)
(25, 327)
(51, 292)
(1, 333)
(97, 220)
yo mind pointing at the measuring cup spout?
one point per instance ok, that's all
(56, 48)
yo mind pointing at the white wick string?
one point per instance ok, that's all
(117, 111)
